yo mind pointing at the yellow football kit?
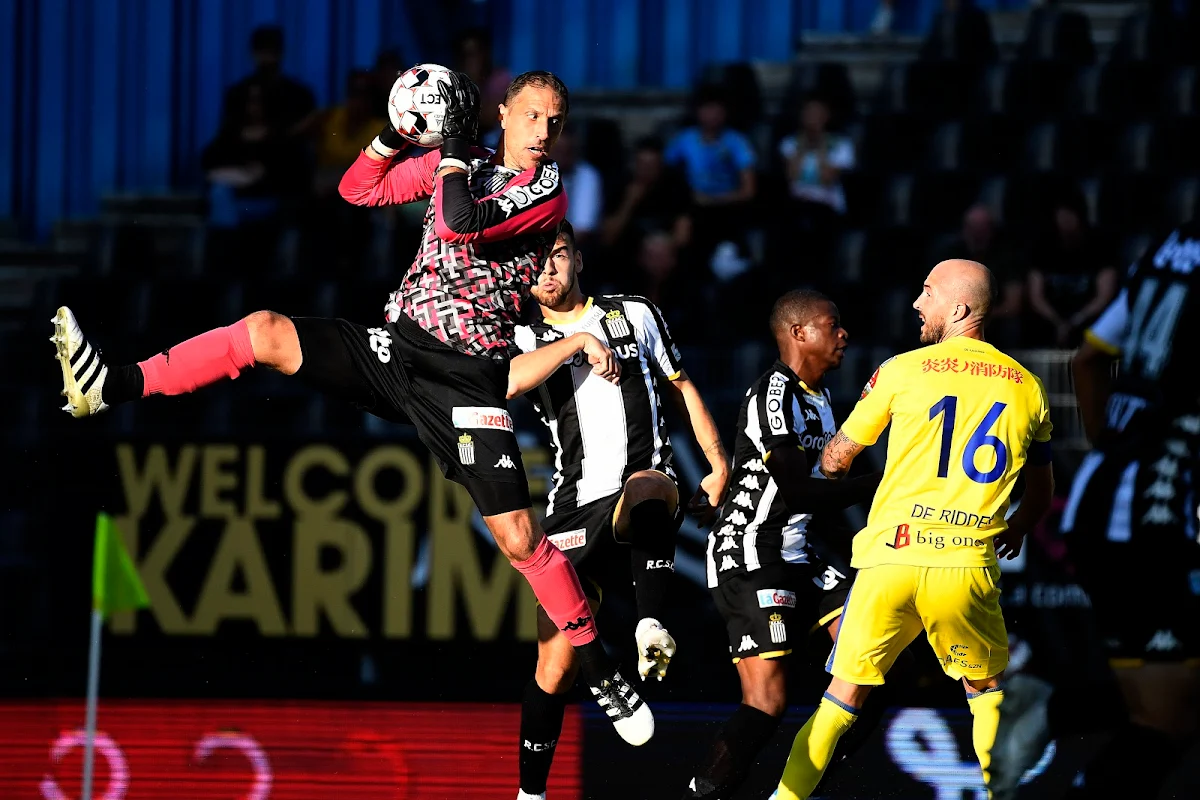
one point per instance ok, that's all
(963, 417)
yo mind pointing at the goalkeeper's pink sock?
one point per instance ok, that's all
(200, 361)
(557, 587)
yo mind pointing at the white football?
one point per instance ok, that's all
(415, 105)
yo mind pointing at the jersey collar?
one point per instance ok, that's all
(786, 370)
(576, 318)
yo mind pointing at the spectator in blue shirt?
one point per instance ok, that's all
(719, 165)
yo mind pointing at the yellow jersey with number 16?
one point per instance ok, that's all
(963, 417)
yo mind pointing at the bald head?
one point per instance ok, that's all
(966, 282)
(797, 307)
(956, 299)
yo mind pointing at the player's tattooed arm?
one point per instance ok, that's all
(838, 455)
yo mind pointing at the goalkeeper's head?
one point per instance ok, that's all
(532, 115)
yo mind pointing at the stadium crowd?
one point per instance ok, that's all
(1053, 169)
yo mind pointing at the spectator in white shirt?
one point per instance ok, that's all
(814, 160)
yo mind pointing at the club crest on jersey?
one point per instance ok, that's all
(466, 449)
(777, 628)
(616, 324)
(870, 385)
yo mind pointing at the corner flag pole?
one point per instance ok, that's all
(93, 696)
(116, 586)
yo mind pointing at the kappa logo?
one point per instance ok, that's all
(381, 344)
(747, 644)
(578, 624)
(1164, 641)
(831, 578)
(552, 335)
(505, 462)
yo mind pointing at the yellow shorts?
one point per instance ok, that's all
(889, 605)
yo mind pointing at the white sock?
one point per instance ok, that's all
(526, 796)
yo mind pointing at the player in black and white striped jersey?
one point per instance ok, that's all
(777, 565)
(614, 508)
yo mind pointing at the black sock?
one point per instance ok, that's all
(123, 384)
(594, 662)
(541, 724)
(652, 554)
(733, 752)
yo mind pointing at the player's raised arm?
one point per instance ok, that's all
(389, 172)
(533, 366)
(871, 415)
(533, 201)
(805, 493)
(375, 180)
(686, 399)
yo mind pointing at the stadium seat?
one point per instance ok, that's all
(105, 307)
(991, 143)
(1027, 197)
(895, 202)
(987, 96)
(945, 150)
(1131, 88)
(1181, 92)
(1084, 143)
(848, 256)
(307, 299)
(991, 194)
(1182, 201)
(936, 89)
(604, 149)
(1059, 34)
(1130, 202)
(1181, 137)
(1037, 89)
(863, 197)
(1148, 36)
(893, 256)
(178, 308)
(893, 142)
(1139, 148)
(1083, 94)
(939, 199)
(1132, 248)
(1041, 148)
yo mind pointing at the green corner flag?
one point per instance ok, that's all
(116, 585)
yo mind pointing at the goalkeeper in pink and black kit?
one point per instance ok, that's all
(440, 361)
